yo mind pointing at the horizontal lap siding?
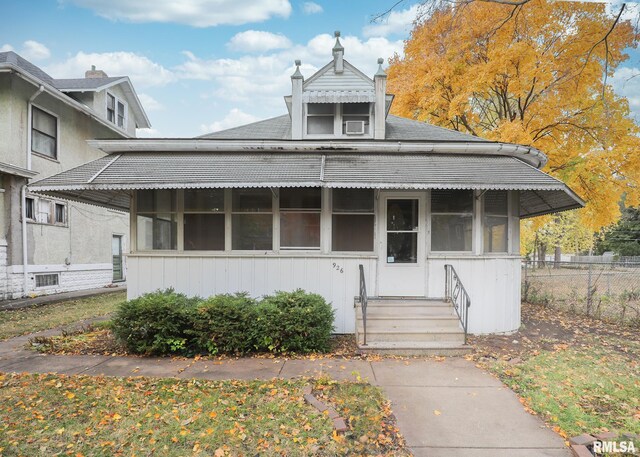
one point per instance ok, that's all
(206, 276)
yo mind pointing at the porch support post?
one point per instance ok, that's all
(477, 222)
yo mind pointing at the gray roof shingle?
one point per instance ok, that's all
(397, 129)
(11, 57)
(84, 83)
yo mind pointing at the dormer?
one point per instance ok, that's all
(338, 101)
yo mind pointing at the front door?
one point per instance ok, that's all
(401, 247)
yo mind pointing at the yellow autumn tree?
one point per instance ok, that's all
(534, 75)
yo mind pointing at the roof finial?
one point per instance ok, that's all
(297, 73)
(337, 46)
(380, 71)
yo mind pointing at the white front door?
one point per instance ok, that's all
(401, 244)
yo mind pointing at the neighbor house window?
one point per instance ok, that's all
(352, 220)
(251, 219)
(496, 221)
(44, 211)
(44, 133)
(355, 118)
(60, 213)
(300, 218)
(451, 220)
(156, 219)
(204, 220)
(320, 118)
(116, 111)
(30, 208)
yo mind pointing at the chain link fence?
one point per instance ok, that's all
(608, 291)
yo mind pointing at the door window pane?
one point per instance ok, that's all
(300, 230)
(451, 232)
(352, 232)
(156, 231)
(402, 214)
(252, 232)
(204, 232)
(402, 247)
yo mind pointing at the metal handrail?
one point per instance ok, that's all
(455, 293)
(363, 304)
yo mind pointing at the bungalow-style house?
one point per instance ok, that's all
(49, 244)
(411, 231)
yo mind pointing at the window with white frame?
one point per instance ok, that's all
(204, 220)
(352, 221)
(116, 111)
(300, 218)
(495, 221)
(30, 208)
(251, 219)
(451, 220)
(355, 118)
(156, 220)
(44, 133)
(45, 211)
(320, 118)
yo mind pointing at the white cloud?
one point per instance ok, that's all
(626, 82)
(396, 22)
(234, 118)
(196, 13)
(142, 71)
(149, 103)
(31, 50)
(148, 133)
(258, 41)
(311, 8)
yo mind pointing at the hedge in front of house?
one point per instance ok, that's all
(165, 322)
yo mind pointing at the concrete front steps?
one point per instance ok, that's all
(410, 326)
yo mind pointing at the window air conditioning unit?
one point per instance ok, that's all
(354, 127)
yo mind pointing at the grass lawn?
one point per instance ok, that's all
(28, 320)
(579, 375)
(44, 415)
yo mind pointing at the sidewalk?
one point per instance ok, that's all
(444, 408)
(57, 298)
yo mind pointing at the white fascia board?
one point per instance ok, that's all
(527, 154)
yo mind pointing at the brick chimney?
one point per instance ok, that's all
(93, 73)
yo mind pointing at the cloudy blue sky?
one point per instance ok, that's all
(205, 65)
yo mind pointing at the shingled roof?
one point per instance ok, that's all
(397, 129)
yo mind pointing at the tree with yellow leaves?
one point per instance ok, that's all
(534, 75)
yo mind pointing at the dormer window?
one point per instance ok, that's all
(116, 111)
(320, 118)
(355, 118)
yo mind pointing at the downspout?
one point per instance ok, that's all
(23, 193)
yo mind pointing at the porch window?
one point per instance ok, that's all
(496, 221)
(300, 218)
(352, 220)
(451, 220)
(320, 118)
(204, 220)
(156, 220)
(252, 219)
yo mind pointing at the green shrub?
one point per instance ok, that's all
(166, 322)
(155, 323)
(223, 324)
(294, 322)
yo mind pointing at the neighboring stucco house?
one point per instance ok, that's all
(49, 244)
(334, 197)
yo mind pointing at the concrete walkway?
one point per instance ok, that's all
(57, 298)
(444, 408)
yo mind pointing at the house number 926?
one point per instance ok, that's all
(338, 267)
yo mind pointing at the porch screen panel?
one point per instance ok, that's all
(495, 221)
(156, 220)
(204, 220)
(352, 221)
(451, 220)
(300, 218)
(252, 219)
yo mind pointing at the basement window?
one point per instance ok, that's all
(47, 280)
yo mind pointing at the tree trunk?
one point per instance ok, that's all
(557, 257)
(542, 254)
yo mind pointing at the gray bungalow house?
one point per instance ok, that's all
(411, 231)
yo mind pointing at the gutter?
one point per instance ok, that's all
(527, 154)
